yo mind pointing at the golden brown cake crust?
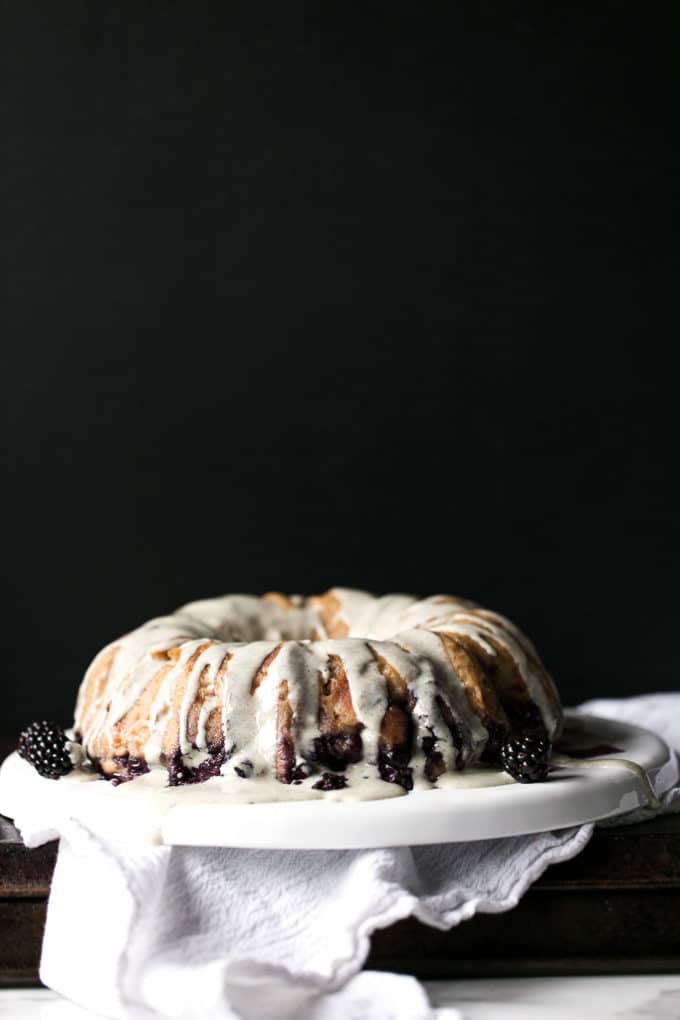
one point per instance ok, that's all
(343, 676)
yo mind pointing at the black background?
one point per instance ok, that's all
(374, 296)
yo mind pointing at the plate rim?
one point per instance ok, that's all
(573, 797)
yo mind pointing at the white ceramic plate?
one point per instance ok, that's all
(42, 808)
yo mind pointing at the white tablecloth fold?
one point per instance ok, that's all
(182, 932)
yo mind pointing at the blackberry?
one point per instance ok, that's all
(525, 758)
(43, 745)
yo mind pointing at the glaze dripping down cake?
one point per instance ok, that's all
(300, 687)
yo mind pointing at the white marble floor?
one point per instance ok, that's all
(639, 997)
(586, 998)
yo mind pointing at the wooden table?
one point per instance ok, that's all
(613, 909)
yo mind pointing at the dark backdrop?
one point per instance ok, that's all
(374, 297)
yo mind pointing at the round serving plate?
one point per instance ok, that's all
(595, 785)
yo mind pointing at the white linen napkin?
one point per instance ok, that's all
(189, 932)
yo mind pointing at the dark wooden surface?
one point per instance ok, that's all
(25, 877)
(613, 909)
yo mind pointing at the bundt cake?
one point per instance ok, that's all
(304, 688)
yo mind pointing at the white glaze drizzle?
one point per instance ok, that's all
(210, 659)
(366, 685)
(567, 762)
(419, 676)
(235, 634)
(428, 645)
(533, 681)
(239, 707)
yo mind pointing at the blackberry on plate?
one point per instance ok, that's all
(43, 745)
(525, 758)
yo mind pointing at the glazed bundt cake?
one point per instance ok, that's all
(307, 687)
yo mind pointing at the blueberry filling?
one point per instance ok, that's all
(289, 771)
(330, 781)
(300, 772)
(393, 766)
(127, 767)
(497, 735)
(181, 774)
(454, 729)
(434, 759)
(337, 750)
